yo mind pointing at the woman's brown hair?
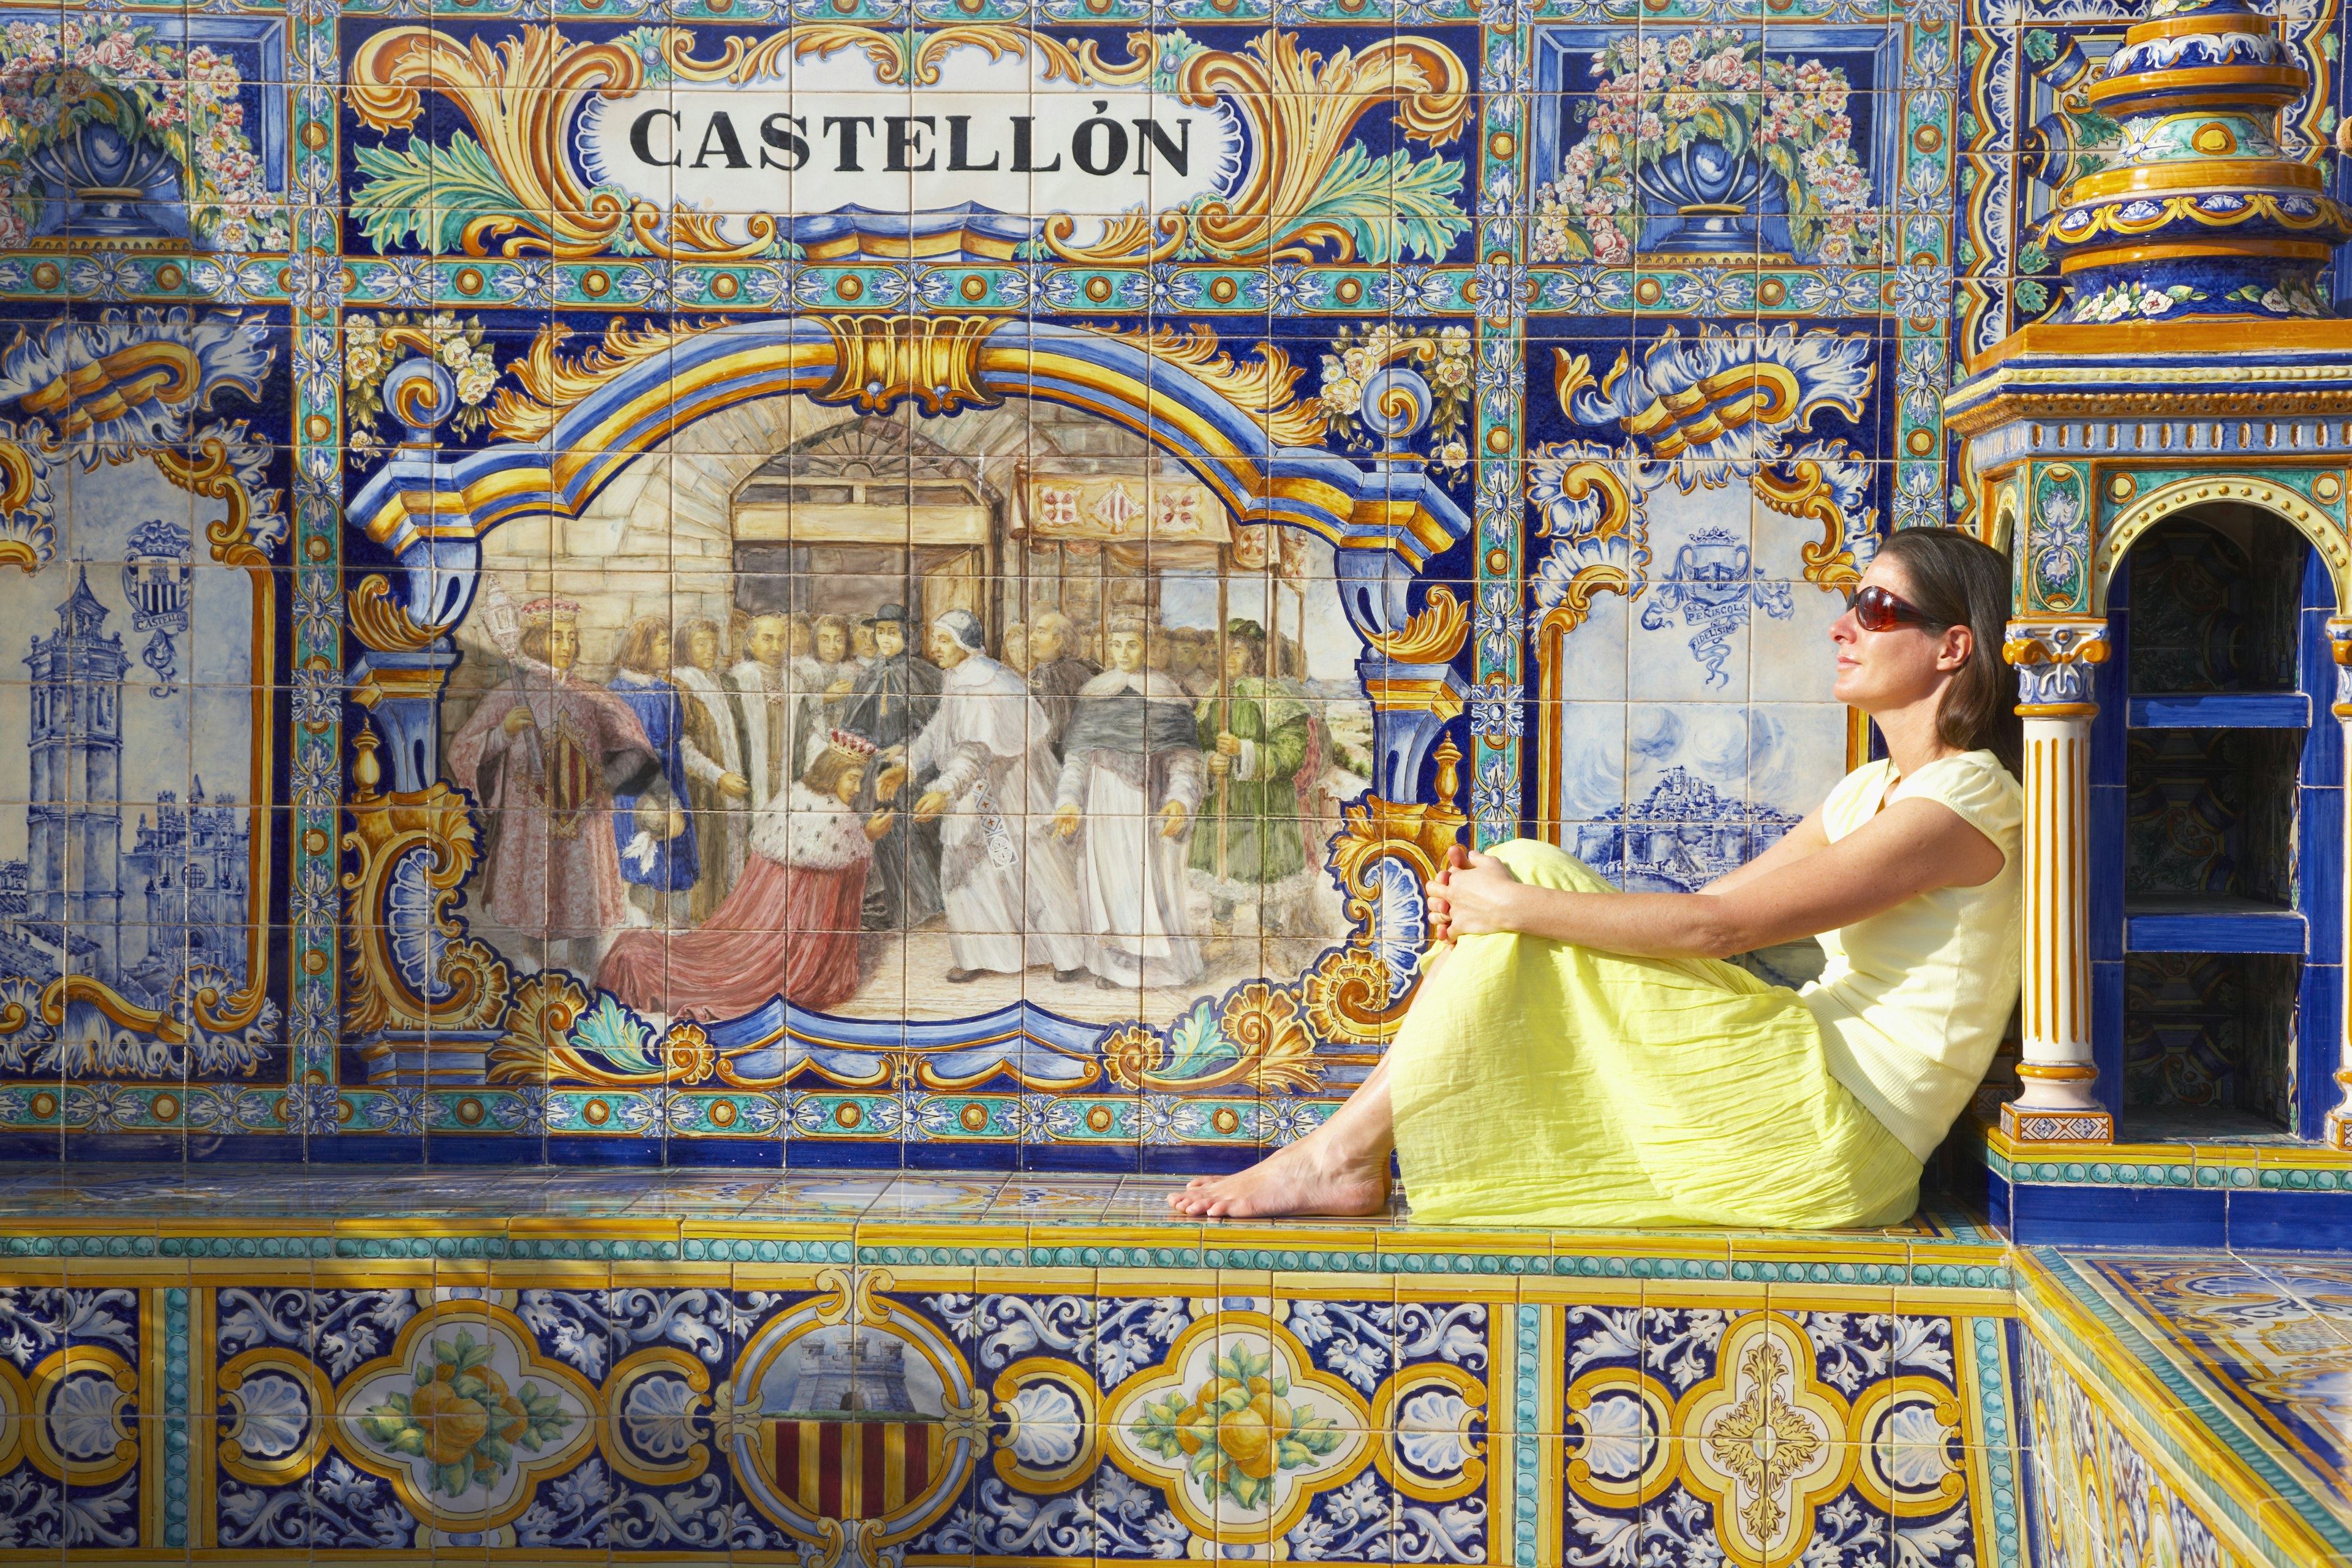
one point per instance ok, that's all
(1957, 580)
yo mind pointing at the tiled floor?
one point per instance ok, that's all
(2265, 1337)
(2191, 1397)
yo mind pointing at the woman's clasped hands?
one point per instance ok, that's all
(1472, 895)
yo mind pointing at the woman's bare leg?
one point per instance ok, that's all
(1340, 1168)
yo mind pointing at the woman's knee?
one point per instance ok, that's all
(1548, 865)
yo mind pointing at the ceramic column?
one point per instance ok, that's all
(2339, 1133)
(2055, 662)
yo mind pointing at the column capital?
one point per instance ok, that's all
(2339, 649)
(2054, 661)
(2054, 641)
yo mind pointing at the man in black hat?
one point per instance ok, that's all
(893, 701)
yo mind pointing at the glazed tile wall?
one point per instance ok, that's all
(2096, 1499)
(414, 373)
(573, 1364)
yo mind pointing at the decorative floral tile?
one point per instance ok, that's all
(72, 1431)
(1765, 1436)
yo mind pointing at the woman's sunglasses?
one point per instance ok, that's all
(1874, 610)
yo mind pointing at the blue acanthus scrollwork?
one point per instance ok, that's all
(1724, 403)
(28, 509)
(1714, 586)
(1701, 413)
(1592, 501)
(50, 370)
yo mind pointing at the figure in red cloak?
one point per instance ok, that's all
(790, 928)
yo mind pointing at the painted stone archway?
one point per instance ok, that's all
(1231, 423)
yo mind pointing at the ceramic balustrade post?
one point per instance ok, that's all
(2055, 665)
(2338, 1132)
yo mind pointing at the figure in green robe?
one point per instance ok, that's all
(1261, 742)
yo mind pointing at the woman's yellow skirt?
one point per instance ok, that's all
(1537, 1083)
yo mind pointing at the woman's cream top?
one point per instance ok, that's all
(1913, 1001)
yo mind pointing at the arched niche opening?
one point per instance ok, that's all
(2215, 819)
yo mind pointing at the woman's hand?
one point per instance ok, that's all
(1440, 932)
(1474, 898)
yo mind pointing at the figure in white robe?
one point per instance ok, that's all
(1006, 883)
(716, 790)
(805, 681)
(1131, 781)
(766, 712)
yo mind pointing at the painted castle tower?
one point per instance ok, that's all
(137, 916)
(74, 820)
(185, 874)
(856, 1371)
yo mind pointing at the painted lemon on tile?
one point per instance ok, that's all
(1237, 1430)
(463, 1417)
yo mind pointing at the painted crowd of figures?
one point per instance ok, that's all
(702, 835)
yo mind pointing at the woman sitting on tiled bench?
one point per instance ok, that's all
(1579, 1056)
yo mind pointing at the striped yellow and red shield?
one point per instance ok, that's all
(855, 1469)
(572, 779)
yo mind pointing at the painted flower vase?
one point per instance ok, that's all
(1712, 190)
(111, 177)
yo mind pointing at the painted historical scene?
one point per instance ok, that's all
(885, 715)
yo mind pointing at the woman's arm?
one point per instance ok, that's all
(1808, 838)
(1911, 847)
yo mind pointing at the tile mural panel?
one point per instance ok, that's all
(704, 581)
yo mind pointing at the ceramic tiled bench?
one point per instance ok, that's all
(260, 1365)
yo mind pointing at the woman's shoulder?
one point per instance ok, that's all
(1973, 783)
(1863, 783)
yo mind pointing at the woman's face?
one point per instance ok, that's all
(1881, 672)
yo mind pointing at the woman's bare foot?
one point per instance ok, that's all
(1308, 1177)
